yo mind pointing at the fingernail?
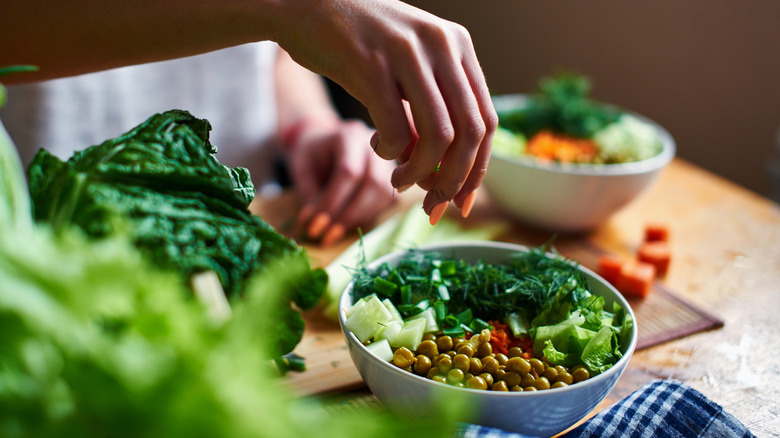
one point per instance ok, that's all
(305, 214)
(333, 235)
(438, 211)
(404, 188)
(374, 141)
(468, 204)
(318, 225)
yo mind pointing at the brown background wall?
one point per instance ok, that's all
(708, 70)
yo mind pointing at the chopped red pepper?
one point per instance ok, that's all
(502, 340)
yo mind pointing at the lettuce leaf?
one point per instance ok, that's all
(184, 210)
(97, 341)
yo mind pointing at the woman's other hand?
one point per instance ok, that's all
(341, 182)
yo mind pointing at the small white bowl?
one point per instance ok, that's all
(567, 197)
(539, 413)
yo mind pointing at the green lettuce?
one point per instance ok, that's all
(589, 336)
(99, 341)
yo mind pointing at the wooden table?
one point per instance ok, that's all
(726, 249)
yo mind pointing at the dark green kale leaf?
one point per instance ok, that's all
(185, 211)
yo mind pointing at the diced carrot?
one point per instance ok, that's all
(636, 279)
(609, 267)
(548, 145)
(657, 253)
(656, 232)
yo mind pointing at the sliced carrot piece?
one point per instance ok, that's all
(656, 232)
(657, 253)
(636, 279)
(609, 267)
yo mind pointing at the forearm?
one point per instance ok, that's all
(65, 38)
(302, 96)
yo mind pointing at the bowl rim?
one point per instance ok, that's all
(617, 367)
(668, 150)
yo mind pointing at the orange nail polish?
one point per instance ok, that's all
(468, 204)
(318, 225)
(438, 211)
(305, 214)
(333, 235)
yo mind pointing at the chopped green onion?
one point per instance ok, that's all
(451, 321)
(477, 325)
(385, 287)
(444, 293)
(406, 294)
(465, 316)
(466, 328)
(408, 310)
(435, 276)
(440, 308)
(396, 278)
(422, 305)
(448, 268)
(454, 331)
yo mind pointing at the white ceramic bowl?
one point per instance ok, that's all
(568, 197)
(540, 413)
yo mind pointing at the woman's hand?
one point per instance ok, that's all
(419, 77)
(342, 183)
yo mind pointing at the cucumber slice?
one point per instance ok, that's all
(390, 331)
(392, 309)
(367, 320)
(429, 316)
(355, 307)
(410, 335)
(381, 349)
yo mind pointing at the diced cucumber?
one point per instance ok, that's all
(357, 305)
(429, 315)
(381, 349)
(368, 319)
(410, 335)
(392, 309)
(390, 331)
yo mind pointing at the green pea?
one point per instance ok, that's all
(428, 348)
(422, 364)
(454, 376)
(537, 365)
(566, 378)
(461, 362)
(541, 383)
(444, 343)
(403, 357)
(499, 386)
(444, 363)
(580, 373)
(490, 364)
(484, 350)
(466, 349)
(476, 382)
(515, 352)
(475, 366)
(518, 365)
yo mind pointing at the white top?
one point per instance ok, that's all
(231, 88)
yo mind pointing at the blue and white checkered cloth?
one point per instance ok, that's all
(660, 409)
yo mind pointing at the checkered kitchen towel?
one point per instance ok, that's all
(660, 409)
